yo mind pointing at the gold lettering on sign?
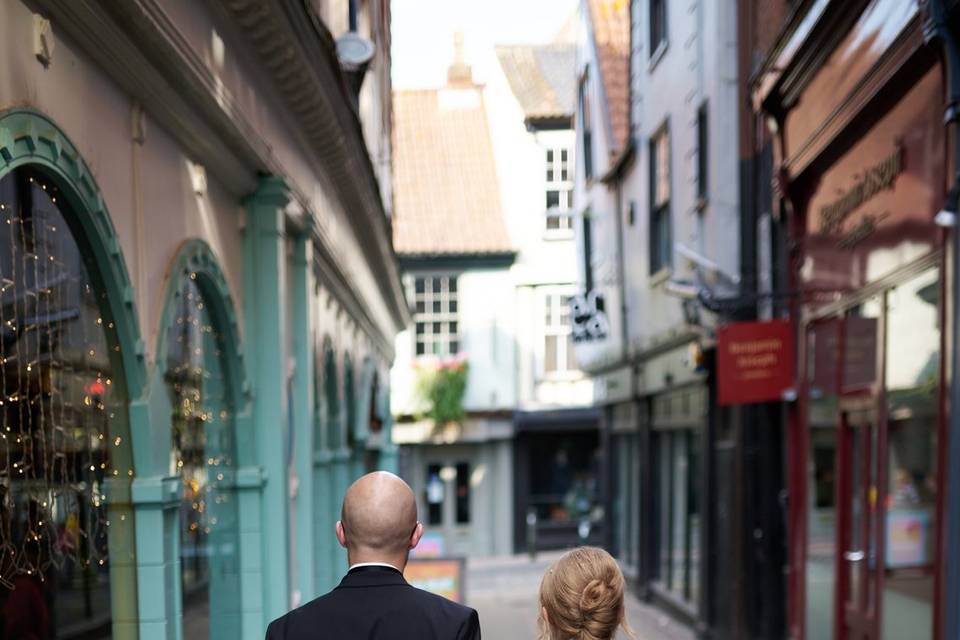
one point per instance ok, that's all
(877, 178)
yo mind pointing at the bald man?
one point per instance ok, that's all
(378, 527)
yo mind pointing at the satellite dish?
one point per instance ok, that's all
(354, 51)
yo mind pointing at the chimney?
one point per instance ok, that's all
(459, 73)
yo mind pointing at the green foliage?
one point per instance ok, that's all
(442, 386)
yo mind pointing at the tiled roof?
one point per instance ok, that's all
(610, 20)
(446, 193)
(542, 77)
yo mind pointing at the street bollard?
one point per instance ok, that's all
(532, 533)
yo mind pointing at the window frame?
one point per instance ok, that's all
(445, 317)
(660, 222)
(585, 110)
(658, 29)
(703, 154)
(554, 182)
(554, 307)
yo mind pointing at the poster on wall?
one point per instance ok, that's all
(442, 576)
(907, 538)
(754, 361)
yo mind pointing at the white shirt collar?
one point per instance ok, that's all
(373, 564)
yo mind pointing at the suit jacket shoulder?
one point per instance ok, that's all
(377, 604)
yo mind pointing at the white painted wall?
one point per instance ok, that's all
(595, 199)
(699, 64)
(546, 260)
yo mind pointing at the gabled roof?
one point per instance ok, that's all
(542, 77)
(610, 28)
(446, 192)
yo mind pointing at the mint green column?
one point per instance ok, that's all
(341, 469)
(156, 501)
(263, 277)
(323, 535)
(303, 412)
(249, 493)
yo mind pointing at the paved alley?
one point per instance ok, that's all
(504, 592)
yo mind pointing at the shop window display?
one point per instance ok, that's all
(203, 456)
(60, 390)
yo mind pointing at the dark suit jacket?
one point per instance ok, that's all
(376, 603)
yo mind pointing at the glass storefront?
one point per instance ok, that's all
(203, 456)
(677, 512)
(871, 474)
(59, 393)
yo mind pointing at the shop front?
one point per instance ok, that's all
(862, 172)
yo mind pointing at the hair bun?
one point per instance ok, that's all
(596, 596)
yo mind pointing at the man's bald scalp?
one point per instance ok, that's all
(379, 513)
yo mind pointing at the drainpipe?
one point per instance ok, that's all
(937, 29)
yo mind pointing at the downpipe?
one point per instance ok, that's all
(937, 30)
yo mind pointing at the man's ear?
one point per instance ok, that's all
(417, 534)
(341, 537)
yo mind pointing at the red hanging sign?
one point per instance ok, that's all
(754, 361)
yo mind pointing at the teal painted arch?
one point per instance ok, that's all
(350, 409)
(196, 260)
(30, 138)
(333, 403)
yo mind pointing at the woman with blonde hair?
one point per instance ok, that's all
(581, 597)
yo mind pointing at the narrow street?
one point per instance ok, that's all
(504, 592)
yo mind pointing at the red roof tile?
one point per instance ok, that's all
(610, 20)
(446, 193)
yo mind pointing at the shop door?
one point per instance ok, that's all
(860, 565)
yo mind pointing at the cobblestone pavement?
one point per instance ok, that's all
(504, 591)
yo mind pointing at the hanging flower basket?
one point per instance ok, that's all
(442, 385)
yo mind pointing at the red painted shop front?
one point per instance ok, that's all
(864, 157)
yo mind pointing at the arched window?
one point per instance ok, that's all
(332, 396)
(61, 385)
(203, 454)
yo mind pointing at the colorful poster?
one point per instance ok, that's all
(442, 576)
(907, 537)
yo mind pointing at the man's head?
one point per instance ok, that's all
(378, 522)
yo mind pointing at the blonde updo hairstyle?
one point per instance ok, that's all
(581, 597)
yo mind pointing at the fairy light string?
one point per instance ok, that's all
(56, 385)
(202, 438)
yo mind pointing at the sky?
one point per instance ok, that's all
(422, 32)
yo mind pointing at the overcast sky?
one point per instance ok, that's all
(423, 33)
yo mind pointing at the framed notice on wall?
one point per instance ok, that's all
(754, 361)
(442, 576)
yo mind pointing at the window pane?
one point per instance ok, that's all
(436, 284)
(452, 328)
(679, 541)
(420, 285)
(434, 494)
(437, 306)
(563, 155)
(553, 199)
(550, 354)
(664, 490)
(452, 285)
(436, 328)
(421, 348)
(453, 306)
(454, 347)
(549, 156)
(554, 222)
(420, 328)
(913, 369)
(572, 364)
(421, 306)
(463, 493)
